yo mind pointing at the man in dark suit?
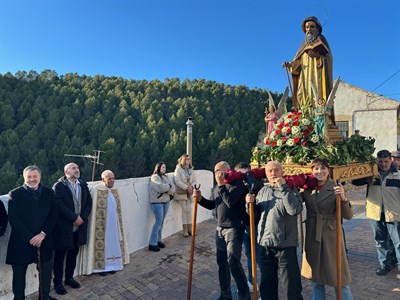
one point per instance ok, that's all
(32, 214)
(74, 205)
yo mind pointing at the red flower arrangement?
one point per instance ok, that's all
(292, 136)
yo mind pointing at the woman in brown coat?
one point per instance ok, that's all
(319, 257)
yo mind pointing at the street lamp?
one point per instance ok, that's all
(189, 136)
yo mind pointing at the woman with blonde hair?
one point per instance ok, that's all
(184, 180)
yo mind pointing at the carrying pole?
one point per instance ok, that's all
(339, 247)
(253, 250)
(301, 231)
(194, 219)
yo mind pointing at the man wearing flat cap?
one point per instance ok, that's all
(312, 64)
(395, 159)
(382, 208)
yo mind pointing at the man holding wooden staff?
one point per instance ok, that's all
(230, 211)
(276, 208)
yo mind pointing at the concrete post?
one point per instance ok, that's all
(189, 136)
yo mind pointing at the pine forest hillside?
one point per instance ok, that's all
(136, 123)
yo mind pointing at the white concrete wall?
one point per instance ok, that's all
(372, 114)
(350, 98)
(138, 221)
(381, 125)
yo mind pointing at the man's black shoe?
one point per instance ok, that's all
(103, 273)
(72, 283)
(382, 271)
(59, 288)
(223, 298)
(112, 272)
(154, 248)
(47, 298)
(161, 245)
(394, 262)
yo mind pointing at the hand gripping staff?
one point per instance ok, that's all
(194, 218)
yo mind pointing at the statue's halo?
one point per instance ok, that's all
(318, 11)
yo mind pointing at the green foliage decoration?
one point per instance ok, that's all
(356, 148)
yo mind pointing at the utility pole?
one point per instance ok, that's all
(95, 159)
(189, 136)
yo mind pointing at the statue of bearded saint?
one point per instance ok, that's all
(312, 63)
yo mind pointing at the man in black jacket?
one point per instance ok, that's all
(32, 214)
(74, 206)
(230, 212)
(3, 219)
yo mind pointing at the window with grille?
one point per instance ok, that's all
(343, 127)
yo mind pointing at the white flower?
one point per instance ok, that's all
(290, 142)
(295, 130)
(272, 135)
(314, 138)
(284, 129)
(279, 143)
(305, 122)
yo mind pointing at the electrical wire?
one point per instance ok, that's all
(386, 80)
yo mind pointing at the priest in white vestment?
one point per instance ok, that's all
(106, 250)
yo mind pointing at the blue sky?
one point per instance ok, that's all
(232, 42)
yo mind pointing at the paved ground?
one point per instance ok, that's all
(163, 275)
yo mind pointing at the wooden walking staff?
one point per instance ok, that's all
(39, 268)
(294, 97)
(339, 246)
(253, 250)
(194, 218)
(301, 231)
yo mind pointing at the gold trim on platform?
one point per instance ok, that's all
(346, 172)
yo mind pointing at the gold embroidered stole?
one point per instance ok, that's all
(100, 228)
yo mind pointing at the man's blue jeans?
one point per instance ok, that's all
(160, 211)
(318, 292)
(382, 230)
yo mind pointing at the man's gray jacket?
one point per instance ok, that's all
(277, 208)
